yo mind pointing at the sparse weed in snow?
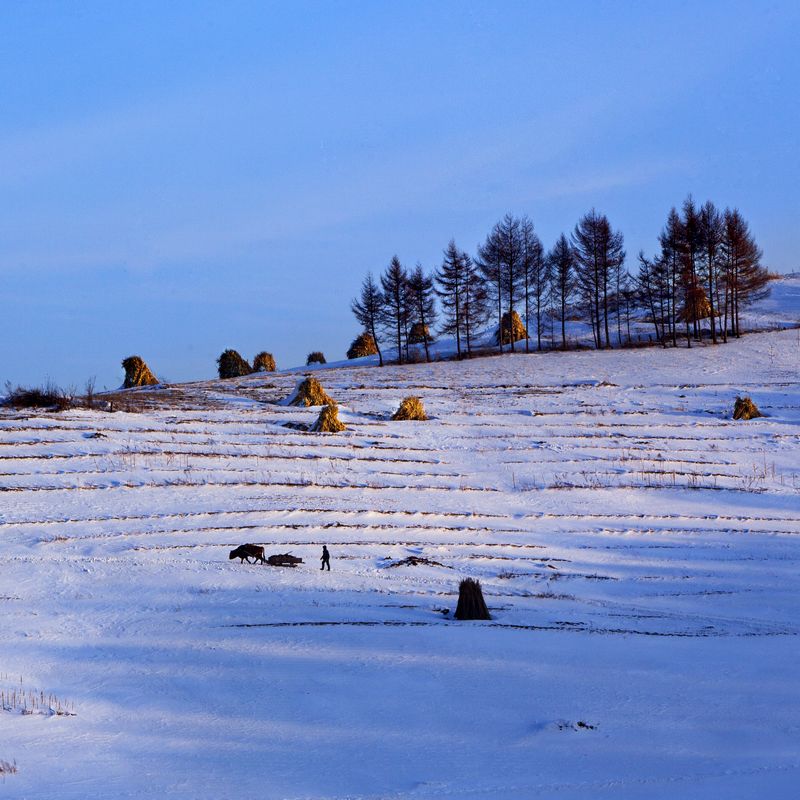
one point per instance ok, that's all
(22, 700)
(7, 767)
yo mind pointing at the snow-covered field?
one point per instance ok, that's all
(638, 550)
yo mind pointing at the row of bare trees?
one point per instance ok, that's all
(708, 268)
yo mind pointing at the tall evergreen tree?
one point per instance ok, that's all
(490, 266)
(423, 302)
(599, 253)
(450, 282)
(652, 286)
(475, 305)
(394, 319)
(746, 279)
(500, 262)
(711, 231)
(673, 242)
(368, 310)
(535, 279)
(692, 291)
(628, 299)
(562, 267)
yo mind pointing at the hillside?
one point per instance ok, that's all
(637, 548)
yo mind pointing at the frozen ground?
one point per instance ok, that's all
(638, 550)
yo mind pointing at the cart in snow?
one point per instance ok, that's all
(284, 560)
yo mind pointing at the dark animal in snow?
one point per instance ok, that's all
(248, 551)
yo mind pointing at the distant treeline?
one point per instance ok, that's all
(708, 267)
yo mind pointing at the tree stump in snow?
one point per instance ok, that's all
(471, 604)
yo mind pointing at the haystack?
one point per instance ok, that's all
(264, 362)
(309, 392)
(696, 307)
(410, 408)
(419, 334)
(363, 345)
(512, 329)
(471, 604)
(232, 365)
(137, 373)
(316, 358)
(745, 408)
(328, 420)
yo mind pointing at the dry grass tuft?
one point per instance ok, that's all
(512, 329)
(363, 345)
(410, 408)
(264, 362)
(231, 365)
(47, 396)
(745, 408)
(316, 357)
(309, 392)
(471, 604)
(19, 699)
(8, 767)
(137, 373)
(328, 420)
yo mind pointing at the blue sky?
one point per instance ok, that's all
(178, 178)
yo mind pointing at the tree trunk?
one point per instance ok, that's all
(377, 346)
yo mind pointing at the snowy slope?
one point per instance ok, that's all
(638, 550)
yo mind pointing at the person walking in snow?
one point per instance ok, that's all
(325, 558)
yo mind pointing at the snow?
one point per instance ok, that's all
(638, 550)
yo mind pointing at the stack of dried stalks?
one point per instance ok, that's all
(410, 408)
(697, 305)
(264, 362)
(309, 392)
(363, 345)
(232, 365)
(328, 420)
(511, 329)
(745, 408)
(419, 334)
(137, 373)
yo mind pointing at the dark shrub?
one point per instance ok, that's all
(47, 396)
(232, 365)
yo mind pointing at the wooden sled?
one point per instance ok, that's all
(284, 560)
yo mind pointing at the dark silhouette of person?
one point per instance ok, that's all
(326, 558)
